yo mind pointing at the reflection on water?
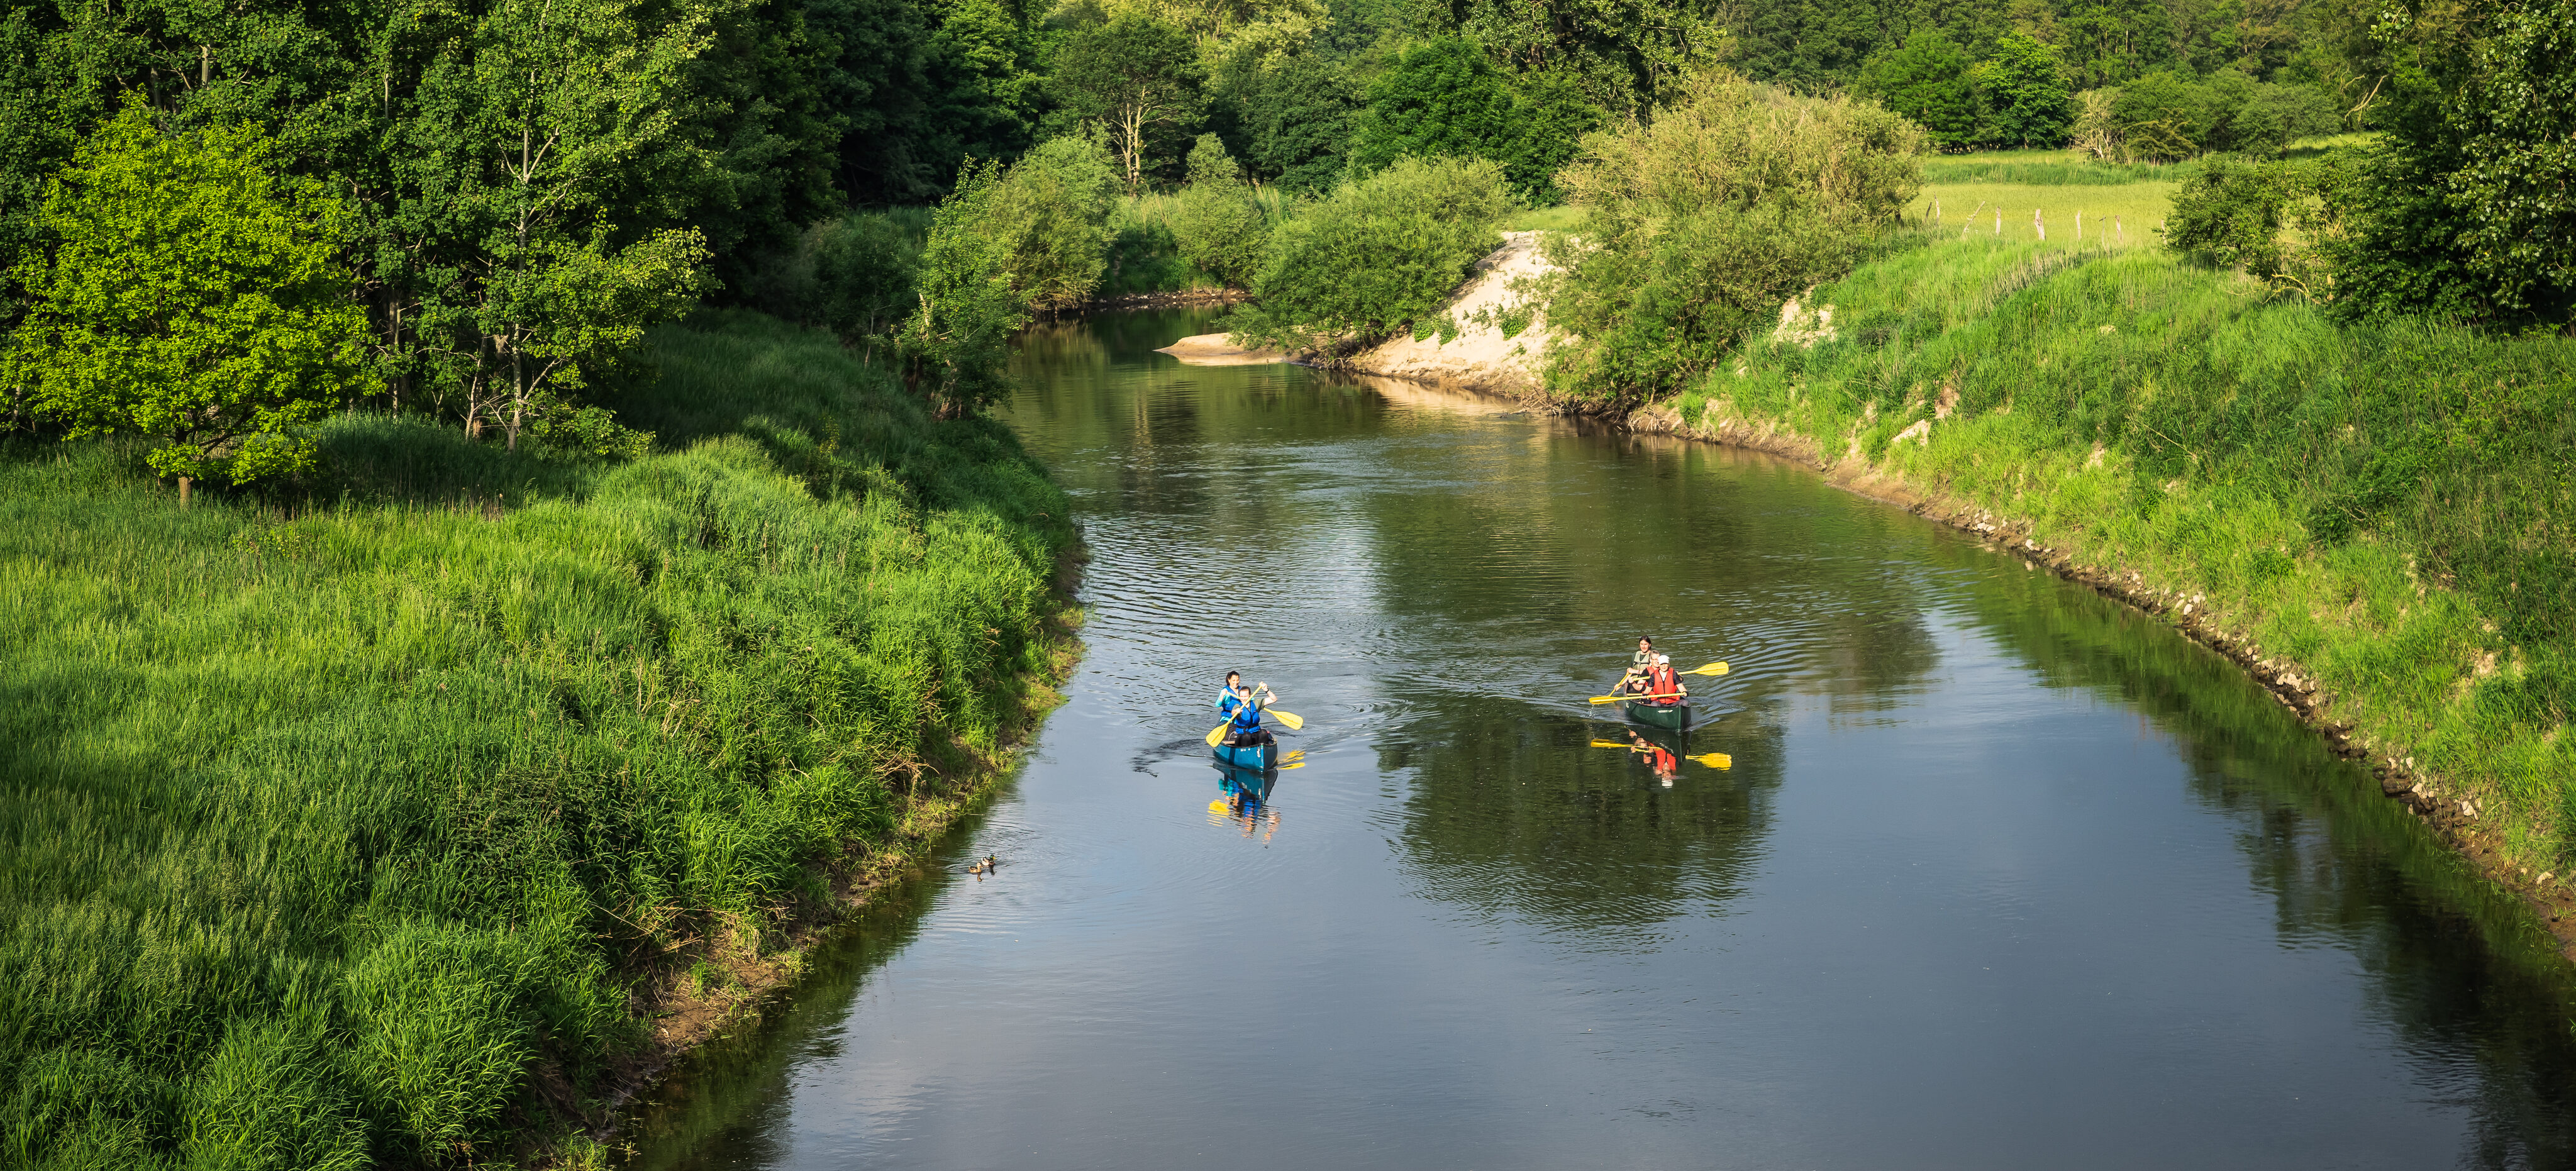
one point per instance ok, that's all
(1959, 866)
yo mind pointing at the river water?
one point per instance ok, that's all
(1997, 874)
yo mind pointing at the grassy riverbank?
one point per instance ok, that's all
(378, 828)
(2383, 516)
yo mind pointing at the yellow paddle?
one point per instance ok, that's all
(1711, 669)
(1717, 760)
(1295, 722)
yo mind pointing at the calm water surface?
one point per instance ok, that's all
(2001, 874)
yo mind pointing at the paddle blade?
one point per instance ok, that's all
(1215, 734)
(1294, 721)
(1602, 699)
(1716, 760)
(1711, 669)
(1607, 744)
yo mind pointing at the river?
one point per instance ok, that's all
(1998, 873)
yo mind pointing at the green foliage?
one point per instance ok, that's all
(955, 348)
(1051, 215)
(1297, 119)
(1217, 225)
(2022, 94)
(341, 838)
(2235, 214)
(1376, 256)
(1133, 74)
(192, 297)
(1702, 221)
(1926, 79)
(863, 266)
(2514, 116)
(1444, 98)
(2385, 504)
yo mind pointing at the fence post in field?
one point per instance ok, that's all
(1936, 211)
(1999, 221)
(2079, 226)
(2038, 225)
(2119, 231)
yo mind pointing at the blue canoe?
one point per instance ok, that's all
(1256, 756)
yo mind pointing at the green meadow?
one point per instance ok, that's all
(367, 824)
(2387, 509)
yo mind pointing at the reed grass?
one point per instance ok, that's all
(2387, 510)
(340, 832)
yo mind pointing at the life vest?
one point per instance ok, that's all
(1246, 716)
(1665, 683)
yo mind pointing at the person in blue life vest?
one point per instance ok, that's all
(1242, 711)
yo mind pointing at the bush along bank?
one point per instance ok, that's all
(2379, 519)
(395, 827)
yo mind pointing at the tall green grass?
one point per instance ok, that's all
(2391, 506)
(341, 834)
(2046, 168)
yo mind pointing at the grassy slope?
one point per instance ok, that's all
(2388, 509)
(345, 838)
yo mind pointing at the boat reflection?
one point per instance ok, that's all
(1246, 800)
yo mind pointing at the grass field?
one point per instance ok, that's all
(355, 829)
(2386, 508)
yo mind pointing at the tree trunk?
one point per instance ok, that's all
(183, 491)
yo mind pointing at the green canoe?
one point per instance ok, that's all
(1676, 717)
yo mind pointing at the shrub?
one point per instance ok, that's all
(864, 265)
(1703, 220)
(1050, 214)
(1215, 222)
(1376, 255)
(955, 347)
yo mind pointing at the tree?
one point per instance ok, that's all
(2514, 117)
(955, 348)
(1217, 224)
(549, 123)
(1377, 255)
(1051, 213)
(2023, 92)
(1704, 219)
(193, 297)
(1926, 79)
(1296, 121)
(1441, 98)
(2162, 117)
(1133, 74)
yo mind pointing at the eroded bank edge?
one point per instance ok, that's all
(2455, 819)
(685, 1022)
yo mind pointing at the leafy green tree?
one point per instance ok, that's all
(1705, 218)
(194, 297)
(1552, 114)
(864, 266)
(2163, 117)
(984, 85)
(1926, 79)
(2515, 117)
(2023, 93)
(955, 348)
(1051, 212)
(553, 121)
(1216, 223)
(1377, 255)
(1442, 97)
(1296, 120)
(1133, 74)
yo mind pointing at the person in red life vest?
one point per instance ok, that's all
(1667, 686)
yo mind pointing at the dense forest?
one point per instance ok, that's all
(475, 211)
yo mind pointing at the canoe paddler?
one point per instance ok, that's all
(1640, 666)
(1664, 684)
(1242, 709)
